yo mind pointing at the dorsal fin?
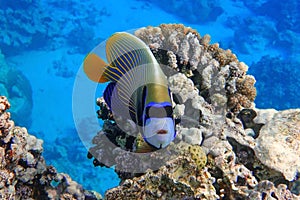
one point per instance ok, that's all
(124, 52)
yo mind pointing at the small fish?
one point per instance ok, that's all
(138, 88)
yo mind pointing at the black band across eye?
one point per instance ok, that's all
(159, 112)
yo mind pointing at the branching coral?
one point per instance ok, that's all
(214, 71)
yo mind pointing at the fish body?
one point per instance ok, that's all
(138, 88)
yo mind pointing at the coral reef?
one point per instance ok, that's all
(218, 152)
(278, 10)
(31, 27)
(270, 28)
(16, 87)
(284, 87)
(198, 11)
(23, 171)
(270, 39)
(261, 33)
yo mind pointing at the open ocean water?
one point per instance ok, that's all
(44, 43)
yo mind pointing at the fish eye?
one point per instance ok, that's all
(159, 112)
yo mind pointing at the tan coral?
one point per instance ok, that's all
(238, 101)
(224, 57)
(245, 87)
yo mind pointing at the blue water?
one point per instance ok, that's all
(47, 41)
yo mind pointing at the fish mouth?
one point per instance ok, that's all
(162, 131)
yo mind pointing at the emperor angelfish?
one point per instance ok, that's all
(138, 88)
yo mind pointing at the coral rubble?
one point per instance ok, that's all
(220, 151)
(23, 171)
(179, 179)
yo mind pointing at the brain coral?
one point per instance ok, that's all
(198, 155)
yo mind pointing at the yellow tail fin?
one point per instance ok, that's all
(94, 68)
